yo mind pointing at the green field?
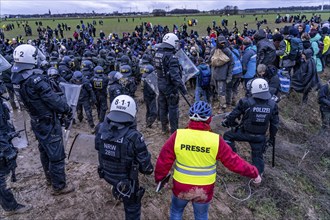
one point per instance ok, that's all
(111, 23)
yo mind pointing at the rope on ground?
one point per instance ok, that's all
(238, 199)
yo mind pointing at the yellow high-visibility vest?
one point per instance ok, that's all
(196, 153)
(287, 49)
(326, 43)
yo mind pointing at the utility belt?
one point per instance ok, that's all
(43, 119)
(128, 188)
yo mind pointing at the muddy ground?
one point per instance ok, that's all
(298, 187)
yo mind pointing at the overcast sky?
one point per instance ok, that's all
(100, 6)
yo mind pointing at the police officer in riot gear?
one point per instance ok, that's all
(149, 95)
(128, 80)
(8, 156)
(86, 96)
(65, 67)
(87, 69)
(169, 82)
(115, 87)
(54, 59)
(100, 84)
(43, 105)
(5, 76)
(259, 113)
(123, 154)
(102, 60)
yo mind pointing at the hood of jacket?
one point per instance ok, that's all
(308, 53)
(261, 34)
(316, 38)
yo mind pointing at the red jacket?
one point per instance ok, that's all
(201, 194)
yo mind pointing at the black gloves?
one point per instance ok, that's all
(69, 118)
(70, 114)
(270, 143)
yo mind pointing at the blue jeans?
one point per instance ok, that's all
(201, 94)
(178, 205)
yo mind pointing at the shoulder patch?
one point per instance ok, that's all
(37, 79)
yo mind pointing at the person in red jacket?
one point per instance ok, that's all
(195, 151)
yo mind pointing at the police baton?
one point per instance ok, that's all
(273, 156)
(185, 98)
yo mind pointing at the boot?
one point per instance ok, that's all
(20, 209)
(223, 104)
(67, 189)
(92, 128)
(165, 130)
(233, 100)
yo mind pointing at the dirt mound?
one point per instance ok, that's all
(298, 187)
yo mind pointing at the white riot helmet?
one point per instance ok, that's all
(123, 109)
(172, 40)
(260, 89)
(25, 57)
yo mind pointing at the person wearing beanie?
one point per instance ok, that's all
(266, 52)
(249, 60)
(289, 49)
(294, 32)
(315, 38)
(277, 38)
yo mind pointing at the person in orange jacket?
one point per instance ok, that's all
(195, 151)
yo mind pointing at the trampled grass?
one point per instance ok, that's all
(111, 24)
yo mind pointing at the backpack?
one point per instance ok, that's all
(295, 48)
(219, 58)
(285, 80)
(205, 77)
(237, 69)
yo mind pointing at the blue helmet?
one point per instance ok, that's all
(98, 70)
(114, 76)
(126, 70)
(77, 76)
(66, 60)
(200, 111)
(86, 65)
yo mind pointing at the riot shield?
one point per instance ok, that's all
(189, 69)
(152, 81)
(82, 149)
(71, 92)
(4, 64)
(19, 122)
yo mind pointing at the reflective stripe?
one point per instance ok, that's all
(287, 49)
(209, 167)
(196, 166)
(195, 173)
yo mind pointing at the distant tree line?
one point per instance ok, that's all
(232, 10)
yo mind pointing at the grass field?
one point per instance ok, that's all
(111, 24)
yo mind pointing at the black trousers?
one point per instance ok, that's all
(257, 143)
